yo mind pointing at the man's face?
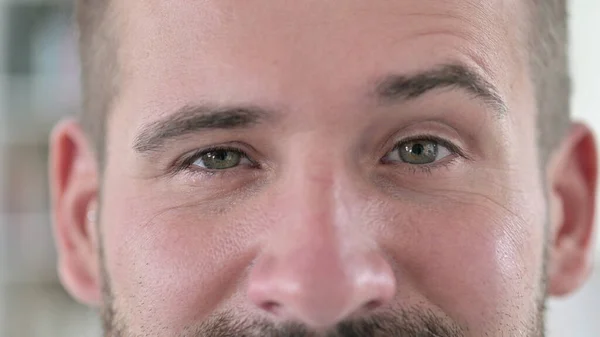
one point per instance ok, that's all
(365, 168)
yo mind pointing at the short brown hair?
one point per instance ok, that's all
(98, 47)
(550, 71)
(547, 49)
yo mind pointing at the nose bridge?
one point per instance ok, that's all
(308, 205)
(315, 196)
(314, 267)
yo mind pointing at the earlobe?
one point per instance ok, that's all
(571, 183)
(74, 188)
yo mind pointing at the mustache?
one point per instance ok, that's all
(404, 323)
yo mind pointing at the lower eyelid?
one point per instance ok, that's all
(248, 162)
(444, 163)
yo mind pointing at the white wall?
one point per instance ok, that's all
(579, 315)
(585, 64)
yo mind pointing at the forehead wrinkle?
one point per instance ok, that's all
(478, 46)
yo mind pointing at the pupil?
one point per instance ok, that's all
(220, 155)
(418, 149)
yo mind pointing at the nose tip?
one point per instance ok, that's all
(323, 294)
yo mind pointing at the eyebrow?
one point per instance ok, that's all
(193, 118)
(392, 89)
(400, 88)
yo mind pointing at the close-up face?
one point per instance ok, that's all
(321, 168)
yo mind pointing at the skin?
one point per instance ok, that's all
(322, 233)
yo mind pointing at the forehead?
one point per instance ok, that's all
(174, 52)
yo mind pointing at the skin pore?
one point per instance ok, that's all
(320, 168)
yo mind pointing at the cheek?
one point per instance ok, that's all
(473, 258)
(180, 259)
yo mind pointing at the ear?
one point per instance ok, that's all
(74, 180)
(572, 175)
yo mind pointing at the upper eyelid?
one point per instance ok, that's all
(444, 142)
(199, 153)
(187, 160)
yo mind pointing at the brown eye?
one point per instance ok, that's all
(418, 152)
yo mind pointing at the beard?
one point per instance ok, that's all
(409, 322)
(415, 322)
(404, 323)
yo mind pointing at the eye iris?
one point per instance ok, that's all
(419, 152)
(221, 159)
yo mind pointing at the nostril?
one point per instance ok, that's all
(372, 305)
(271, 307)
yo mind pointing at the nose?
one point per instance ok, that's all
(320, 290)
(315, 272)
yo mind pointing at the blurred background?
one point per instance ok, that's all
(39, 85)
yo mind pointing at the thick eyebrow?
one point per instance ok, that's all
(399, 87)
(192, 118)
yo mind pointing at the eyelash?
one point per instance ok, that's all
(187, 162)
(428, 168)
